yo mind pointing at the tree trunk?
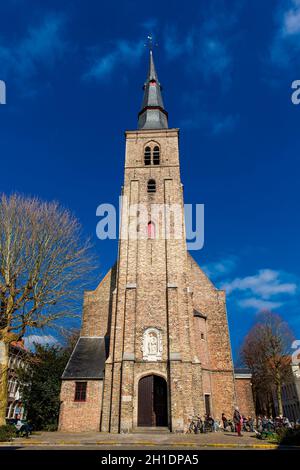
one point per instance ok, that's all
(255, 400)
(270, 409)
(279, 397)
(4, 348)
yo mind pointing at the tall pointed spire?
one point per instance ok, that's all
(152, 115)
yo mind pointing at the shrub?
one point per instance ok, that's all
(282, 436)
(50, 427)
(7, 432)
(290, 437)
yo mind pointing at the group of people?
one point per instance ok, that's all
(269, 424)
(239, 423)
(205, 424)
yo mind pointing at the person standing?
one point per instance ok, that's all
(251, 423)
(237, 419)
(224, 421)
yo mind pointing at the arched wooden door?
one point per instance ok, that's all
(152, 401)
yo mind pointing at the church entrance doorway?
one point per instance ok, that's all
(152, 401)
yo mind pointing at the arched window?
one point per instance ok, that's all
(147, 156)
(151, 186)
(151, 230)
(156, 155)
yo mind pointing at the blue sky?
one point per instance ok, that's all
(74, 73)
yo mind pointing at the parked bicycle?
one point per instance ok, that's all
(195, 426)
(228, 425)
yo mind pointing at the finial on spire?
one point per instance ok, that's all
(150, 43)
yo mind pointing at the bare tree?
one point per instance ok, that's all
(266, 351)
(43, 265)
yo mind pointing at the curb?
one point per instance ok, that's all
(144, 443)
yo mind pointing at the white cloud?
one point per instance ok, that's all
(266, 283)
(175, 46)
(220, 268)
(291, 19)
(285, 46)
(42, 46)
(207, 44)
(206, 50)
(266, 290)
(123, 52)
(258, 304)
(221, 124)
(216, 57)
(39, 339)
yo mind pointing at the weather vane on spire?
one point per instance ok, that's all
(150, 44)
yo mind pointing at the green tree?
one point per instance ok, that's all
(41, 381)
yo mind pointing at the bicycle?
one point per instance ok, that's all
(195, 425)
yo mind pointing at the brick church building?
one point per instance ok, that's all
(154, 348)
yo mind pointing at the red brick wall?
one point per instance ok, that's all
(244, 396)
(80, 416)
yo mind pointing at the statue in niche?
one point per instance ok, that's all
(152, 344)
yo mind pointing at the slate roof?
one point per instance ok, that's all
(87, 360)
(152, 115)
(242, 370)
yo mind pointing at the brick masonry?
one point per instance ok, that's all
(76, 416)
(157, 284)
(244, 396)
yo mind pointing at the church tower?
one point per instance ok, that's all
(154, 347)
(153, 302)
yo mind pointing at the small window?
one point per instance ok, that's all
(156, 156)
(80, 391)
(151, 230)
(202, 335)
(147, 156)
(151, 187)
(207, 404)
